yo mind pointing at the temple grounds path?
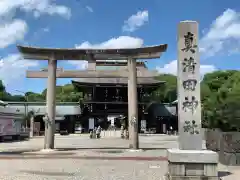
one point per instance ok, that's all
(79, 157)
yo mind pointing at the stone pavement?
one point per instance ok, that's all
(79, 157)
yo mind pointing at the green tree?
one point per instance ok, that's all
(167, 92)
(221, 100)
(229, 96)
(5, 96)
(2, 87)
(216, 79)
(65, 93)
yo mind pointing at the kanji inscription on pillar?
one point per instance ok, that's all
(190, 84)
(189, 102)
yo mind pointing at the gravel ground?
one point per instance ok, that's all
(81, 170)
(74, 159)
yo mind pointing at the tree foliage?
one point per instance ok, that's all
(65, 93)
(221, 100)
(167, 92)
(5, 96)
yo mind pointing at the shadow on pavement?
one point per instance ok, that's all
(116, 158)
(64, 151)
(105, 148)
(16, 152)
(223, 173)
(44, 173)
(14, 141)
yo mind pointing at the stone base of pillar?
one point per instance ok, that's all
(31, 134)
(133, 147)
(192, 165)
(134, 150)
(47, 150)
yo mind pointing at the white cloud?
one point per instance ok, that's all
(171, 68)
(114, 43)
(119, 42)
(223, 35)
(90, 9)
(135, 21)
(12, 32)
(46, 29)
(13, 67)
(38, 7)
(80, 65)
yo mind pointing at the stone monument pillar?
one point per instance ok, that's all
(51, 104)
(132, 104)
(190, 161)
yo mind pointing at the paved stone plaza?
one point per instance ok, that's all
(79, 157)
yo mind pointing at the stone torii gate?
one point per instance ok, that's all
(91, 55)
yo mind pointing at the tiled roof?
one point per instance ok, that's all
(116, 81)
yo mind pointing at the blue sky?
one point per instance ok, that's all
(114, 24)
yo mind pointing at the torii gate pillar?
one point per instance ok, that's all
(132, 104)
(50, 105)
